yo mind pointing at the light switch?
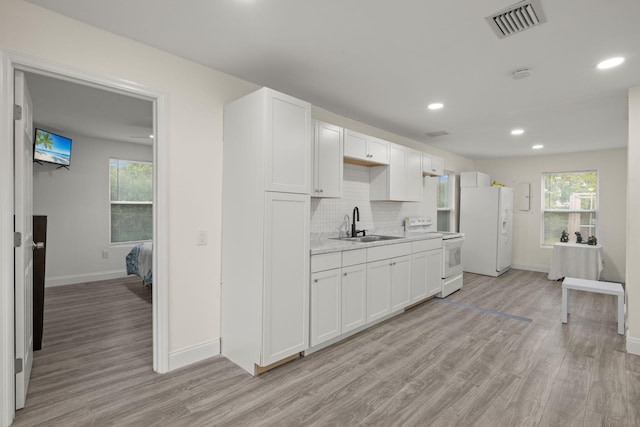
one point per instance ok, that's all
(202, 237)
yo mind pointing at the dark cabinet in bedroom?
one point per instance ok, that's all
(39, 258)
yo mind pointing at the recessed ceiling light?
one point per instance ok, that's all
(537, 147)
(435, 106)
(517, 131)
(151, 136)
(610, 63)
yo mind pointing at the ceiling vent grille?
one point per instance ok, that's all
(519, 17)
(436, 133)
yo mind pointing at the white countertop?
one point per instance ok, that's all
(323, 246)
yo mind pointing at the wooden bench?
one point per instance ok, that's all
(608, 288)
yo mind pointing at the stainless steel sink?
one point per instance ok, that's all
(366, 239)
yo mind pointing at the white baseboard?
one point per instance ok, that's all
(193, 354)
(530, 268)
(633, 345)
(81, 278)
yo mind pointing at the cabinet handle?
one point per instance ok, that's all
(315, 280)
(344, 274)
(321, 190)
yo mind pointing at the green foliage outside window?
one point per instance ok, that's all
(570, 204)
(131, 195)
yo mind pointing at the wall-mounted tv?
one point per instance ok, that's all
(51, 148)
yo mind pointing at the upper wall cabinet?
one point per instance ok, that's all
(432, 165)
(364, 149)
(327, 160)
(401, 180)
(288, 142)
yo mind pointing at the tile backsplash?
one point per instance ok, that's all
(328, 215)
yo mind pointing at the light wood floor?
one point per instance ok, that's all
(438, 364)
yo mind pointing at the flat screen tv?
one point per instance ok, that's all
(51, 148)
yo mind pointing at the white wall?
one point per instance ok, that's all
(76, 203)
(452, 162)
(633, 224)
(195, 97)
(612, 177)
(327, 215)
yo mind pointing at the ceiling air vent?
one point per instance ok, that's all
(436, 133)
(519, 17)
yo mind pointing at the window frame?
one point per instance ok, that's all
(543, 210)
(111, 202)
(452, 178)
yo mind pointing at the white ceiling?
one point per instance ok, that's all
(70, 108)
(381, 62)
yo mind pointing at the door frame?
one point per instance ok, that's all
(10, 61)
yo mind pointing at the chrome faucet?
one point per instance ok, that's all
(356, 217)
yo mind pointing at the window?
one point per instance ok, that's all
(446, 202)
(131, 197)
(569, 204)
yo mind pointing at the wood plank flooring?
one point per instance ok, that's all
(436, 365)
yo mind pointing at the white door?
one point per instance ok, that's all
(400, 282)
(378, 289)
(354, 297)
(286, 276)
(505, 228)
(418, 276)
(23, 194)
(325, 306)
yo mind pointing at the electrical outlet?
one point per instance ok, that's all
(105, 253)
(202, 237)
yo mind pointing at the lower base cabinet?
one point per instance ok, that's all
(325, 310)
(400, 282)
(354, 297)
(426, 274)
(348, 293)
(378, 289)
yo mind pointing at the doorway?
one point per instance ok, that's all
(10, 63)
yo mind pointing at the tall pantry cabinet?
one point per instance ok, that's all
(265, 229)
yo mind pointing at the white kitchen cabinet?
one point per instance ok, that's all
(326, 313)
(401, 180)
(265, 215)
(426, 269)
(432, 165)
(434, 272)
(378, 289)
(364, 149)
(327, 160)
(354, 297)
(400, 282)
(414, 175)
(419, 273)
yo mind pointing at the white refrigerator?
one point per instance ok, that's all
(486, 219)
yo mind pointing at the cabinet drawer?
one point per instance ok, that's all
(358, 256)
(426, 245)
(388, 251)
(328, 261)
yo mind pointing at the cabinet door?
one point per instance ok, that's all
(400, 282)
(378, 150)
(327, 161)
(286, 276)
(434, 272)
(378, 289)
(418, 276)
(287, 144)
(414, 176)
(426, 164)
(397, 172)
(354, 297)
(325, 306)
(355, 145)
(437, 165)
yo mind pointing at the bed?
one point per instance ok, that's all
(139, 261)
